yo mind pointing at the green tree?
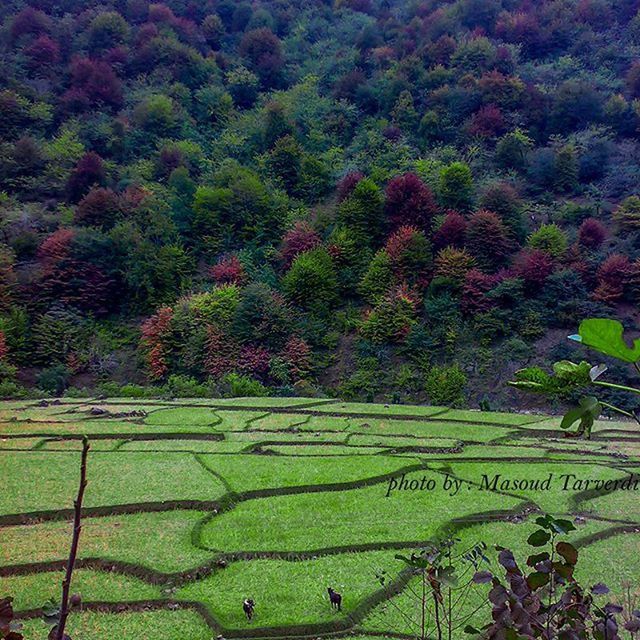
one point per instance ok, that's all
(566, 169)
(549, 238)
(378, 278)
(311, 281)
(363, 211)
(512, 150)
(456, 186)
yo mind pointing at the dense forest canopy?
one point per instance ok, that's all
(370, 198)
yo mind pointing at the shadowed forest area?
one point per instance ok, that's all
(399, 201)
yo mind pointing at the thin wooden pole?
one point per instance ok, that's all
(77, 528)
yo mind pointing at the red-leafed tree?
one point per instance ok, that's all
(409, 201)
(452, 232)
(410, 254)
(228, 271)
(254, 360)
(347, 184)
(221, 353)
(93, 82)
(474, 291)
(592, 233)
(302, 237)
(88, 173)
(155, 331)
(30, 21)
(487, 122)
(56, 247)
(533, 266)
(297, 355)
(43, 52)
(488, 240)
(161, 13)
(613, 276)
(99, 208)
(263, 50)
(80, 284)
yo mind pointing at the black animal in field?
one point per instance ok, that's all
(248, 606)
(335, 598)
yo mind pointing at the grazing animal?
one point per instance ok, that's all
(248, 606)
(335, 598)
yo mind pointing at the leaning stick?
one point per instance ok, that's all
(77, 527)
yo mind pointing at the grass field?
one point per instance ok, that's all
(193, 506)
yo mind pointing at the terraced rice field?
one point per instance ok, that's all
(193, 506)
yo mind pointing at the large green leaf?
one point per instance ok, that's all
(607, 336)
(588, 409)
(567, 377)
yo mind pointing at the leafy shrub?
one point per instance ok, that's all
(445, 385)
(54, 380)
(240, 386)
(546, 596)
(364, 383)
(185, 387)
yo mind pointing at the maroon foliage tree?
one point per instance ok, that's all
(43, 52)
(613, 276)
(147, 32)
(408, 201)
(452, 231)
(533, 266)
(297, 354)
(161, 13)
(487, 122)
(254, 360)
(347, 184)
(81, 285)
(592, 233)
(474, 291)
(263, 51)
(410, 254)
(93, 82)
(228, 271)
(30, 21)
(88, 173)
(298, 240)
(55, 247)
(99, 208)
(221, 353)
(487, 240)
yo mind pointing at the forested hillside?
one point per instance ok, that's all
(373, 199)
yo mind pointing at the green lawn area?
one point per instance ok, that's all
(194, 532)
(138, 625)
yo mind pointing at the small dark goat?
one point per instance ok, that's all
(335, 598)
(248, 606)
